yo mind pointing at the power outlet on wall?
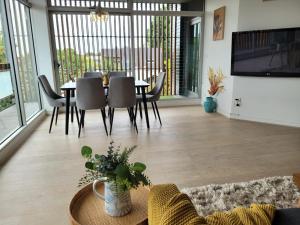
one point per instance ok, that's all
(238, 102)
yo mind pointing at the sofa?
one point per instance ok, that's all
(167, 206)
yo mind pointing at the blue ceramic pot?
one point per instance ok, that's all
(210, 105)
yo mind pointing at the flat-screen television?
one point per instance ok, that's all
(273, 53)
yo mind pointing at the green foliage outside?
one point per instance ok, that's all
(158, 33)
(75, 64)
(157, 37)
(3, 58)
(113, 167)
(7, 102)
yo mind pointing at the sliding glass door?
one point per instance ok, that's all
(19, 94)
(9, 119)
(194, 58)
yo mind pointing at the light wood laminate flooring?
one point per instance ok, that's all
(192, 148)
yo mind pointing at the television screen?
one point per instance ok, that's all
(266, 53)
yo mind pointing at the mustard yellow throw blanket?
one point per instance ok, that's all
(167, 206)
(255, 215)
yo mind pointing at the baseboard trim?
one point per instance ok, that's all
(179, 102)
(264, 120)
(164, 103)
(12, 144)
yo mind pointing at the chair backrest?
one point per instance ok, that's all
(48, 91)
(159, 85)
(121, 93)
(113, 74)
(90, 94)
(92, 74)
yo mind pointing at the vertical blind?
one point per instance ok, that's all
(143, 45)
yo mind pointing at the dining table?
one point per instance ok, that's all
(70, 87)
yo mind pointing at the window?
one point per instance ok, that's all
(141, 44)
(9, 121)
(25, 57)
(140, 37)
(19, 94)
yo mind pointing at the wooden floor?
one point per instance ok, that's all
(191, 149)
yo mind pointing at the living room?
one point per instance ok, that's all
(184, 159)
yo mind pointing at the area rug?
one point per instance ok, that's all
(279, 191)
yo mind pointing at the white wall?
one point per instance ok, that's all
(271, 100)
(41, 36)
(274, 100)
(217, 54)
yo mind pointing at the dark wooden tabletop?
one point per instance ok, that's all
(72, 85)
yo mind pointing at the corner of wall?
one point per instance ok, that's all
(217, 54)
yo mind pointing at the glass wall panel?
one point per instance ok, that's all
(9, 121)
(25, 58)
(143, 45)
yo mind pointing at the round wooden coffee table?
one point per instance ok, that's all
(86, 209)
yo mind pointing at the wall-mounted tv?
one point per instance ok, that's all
(273, 53)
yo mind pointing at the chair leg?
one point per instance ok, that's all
(134, 120)
(104, 112)
(104, 122)
(136, 108)
(56, 116)
(81, 112)
(130, 114)
(141, 112)
(112, 113)
(52, 117)
(157, 113)
(153, 109)
(77, 117)
(80, 123)
(72, 114)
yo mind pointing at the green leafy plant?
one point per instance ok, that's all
(114, 167)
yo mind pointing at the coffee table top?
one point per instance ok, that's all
(86, 209)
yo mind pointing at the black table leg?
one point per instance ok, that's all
(67, 111)
(145, 105)
(72, 108)
(140, 105)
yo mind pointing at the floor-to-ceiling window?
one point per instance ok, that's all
(19, 94)
(140, 37)
(25, 57)
(9, 119)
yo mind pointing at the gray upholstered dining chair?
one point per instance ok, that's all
(113, 74)
(55, 100)
(121, 94)
(90, 95)
(92, 74)
(154, 95)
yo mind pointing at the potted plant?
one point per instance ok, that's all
(118, 175)
(215, 81)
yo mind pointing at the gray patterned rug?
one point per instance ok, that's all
(279, 191)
